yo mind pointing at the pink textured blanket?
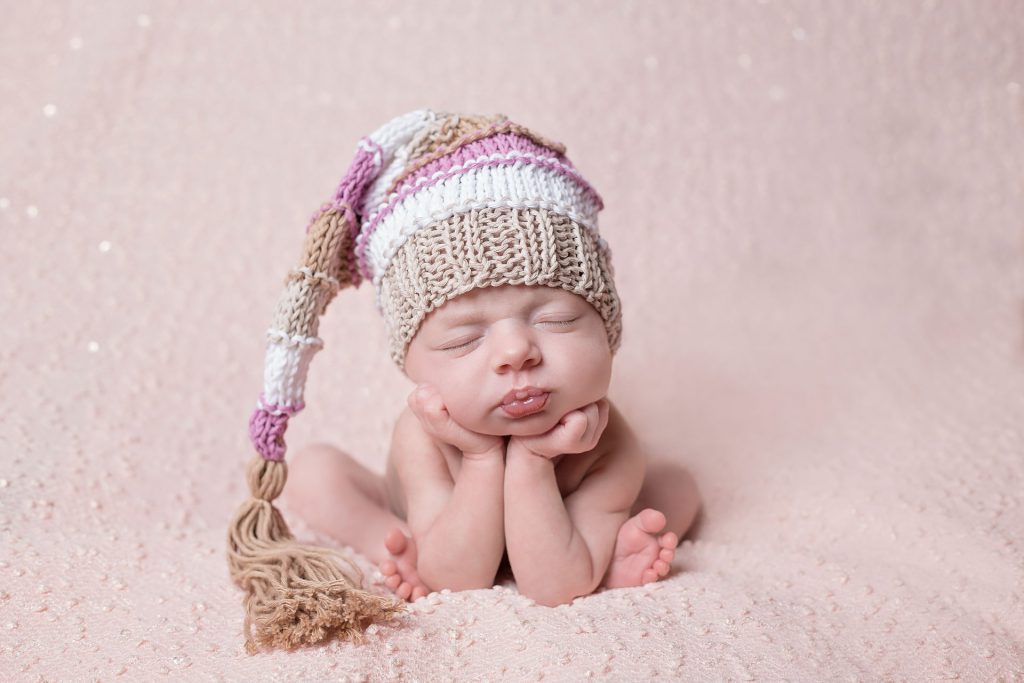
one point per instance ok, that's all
(815, 216)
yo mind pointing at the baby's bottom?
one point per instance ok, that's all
(339, 497)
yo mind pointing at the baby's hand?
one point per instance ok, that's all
(426, 403)
(577, 432)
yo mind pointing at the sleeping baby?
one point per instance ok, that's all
(509, 445)
(480, 238)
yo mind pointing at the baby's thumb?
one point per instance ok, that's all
(441, 421)
(428, 408)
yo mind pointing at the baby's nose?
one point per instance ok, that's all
(515, 348)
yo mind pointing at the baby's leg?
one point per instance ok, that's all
(672, 490)
(339, 497)
(646, 542)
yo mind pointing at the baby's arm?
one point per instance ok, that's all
(457, 526)
(561, 549)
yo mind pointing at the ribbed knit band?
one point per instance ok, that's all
(488, 248)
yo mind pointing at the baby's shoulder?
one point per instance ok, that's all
(617, 433)
(406, 422)
(408, 435)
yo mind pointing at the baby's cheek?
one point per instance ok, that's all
(465, 407)
(589, 373)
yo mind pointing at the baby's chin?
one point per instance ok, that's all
(524, 426)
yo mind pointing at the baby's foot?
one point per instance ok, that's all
(640, 555)
(400, 572)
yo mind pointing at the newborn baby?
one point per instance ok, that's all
(480, 239)
(508, 445)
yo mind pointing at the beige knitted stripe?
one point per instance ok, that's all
(491, 247)
(310, 288)
(447, 128)
(454, 131)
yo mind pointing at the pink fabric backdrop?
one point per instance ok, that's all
(815, 213)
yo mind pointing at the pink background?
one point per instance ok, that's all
(815, 211)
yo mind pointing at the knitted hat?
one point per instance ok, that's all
(434, 205)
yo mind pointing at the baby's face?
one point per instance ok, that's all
(478, 347)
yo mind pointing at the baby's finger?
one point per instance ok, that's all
(593, 417)
(415, 402)
(417, 397)
(437, 413)
(427, 405)
(574, 426)
(604, 410)
(448, 429)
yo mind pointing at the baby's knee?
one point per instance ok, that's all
(547, 598)
(314, 469)
(318, 457)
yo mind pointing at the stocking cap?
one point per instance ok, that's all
(433, 205)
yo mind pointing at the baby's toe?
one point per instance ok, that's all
(418, 592)
(652, 521)
(669, 540)
(667, 555)
(395, 541)
(649, 575)
(661, 567)
(393, 581)
(404, 590)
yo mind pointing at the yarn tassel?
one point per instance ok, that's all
(296, 594)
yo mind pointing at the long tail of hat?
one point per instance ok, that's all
(299, 594)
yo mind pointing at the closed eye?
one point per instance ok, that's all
(460, 346)
(558, 322)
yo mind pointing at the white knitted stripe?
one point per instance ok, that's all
(265, 407)
(378, 159)
(497, 156)
(284, 371)
(523, 187)
(394, 137)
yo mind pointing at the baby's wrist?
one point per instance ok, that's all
(518, 449)
(495, 452)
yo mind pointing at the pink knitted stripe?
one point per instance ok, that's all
(507, 143)
(500, 143)
(361, 172)
(266, 430)
(267, 434)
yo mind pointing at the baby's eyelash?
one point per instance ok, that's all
(475, 339)
(460, 346)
